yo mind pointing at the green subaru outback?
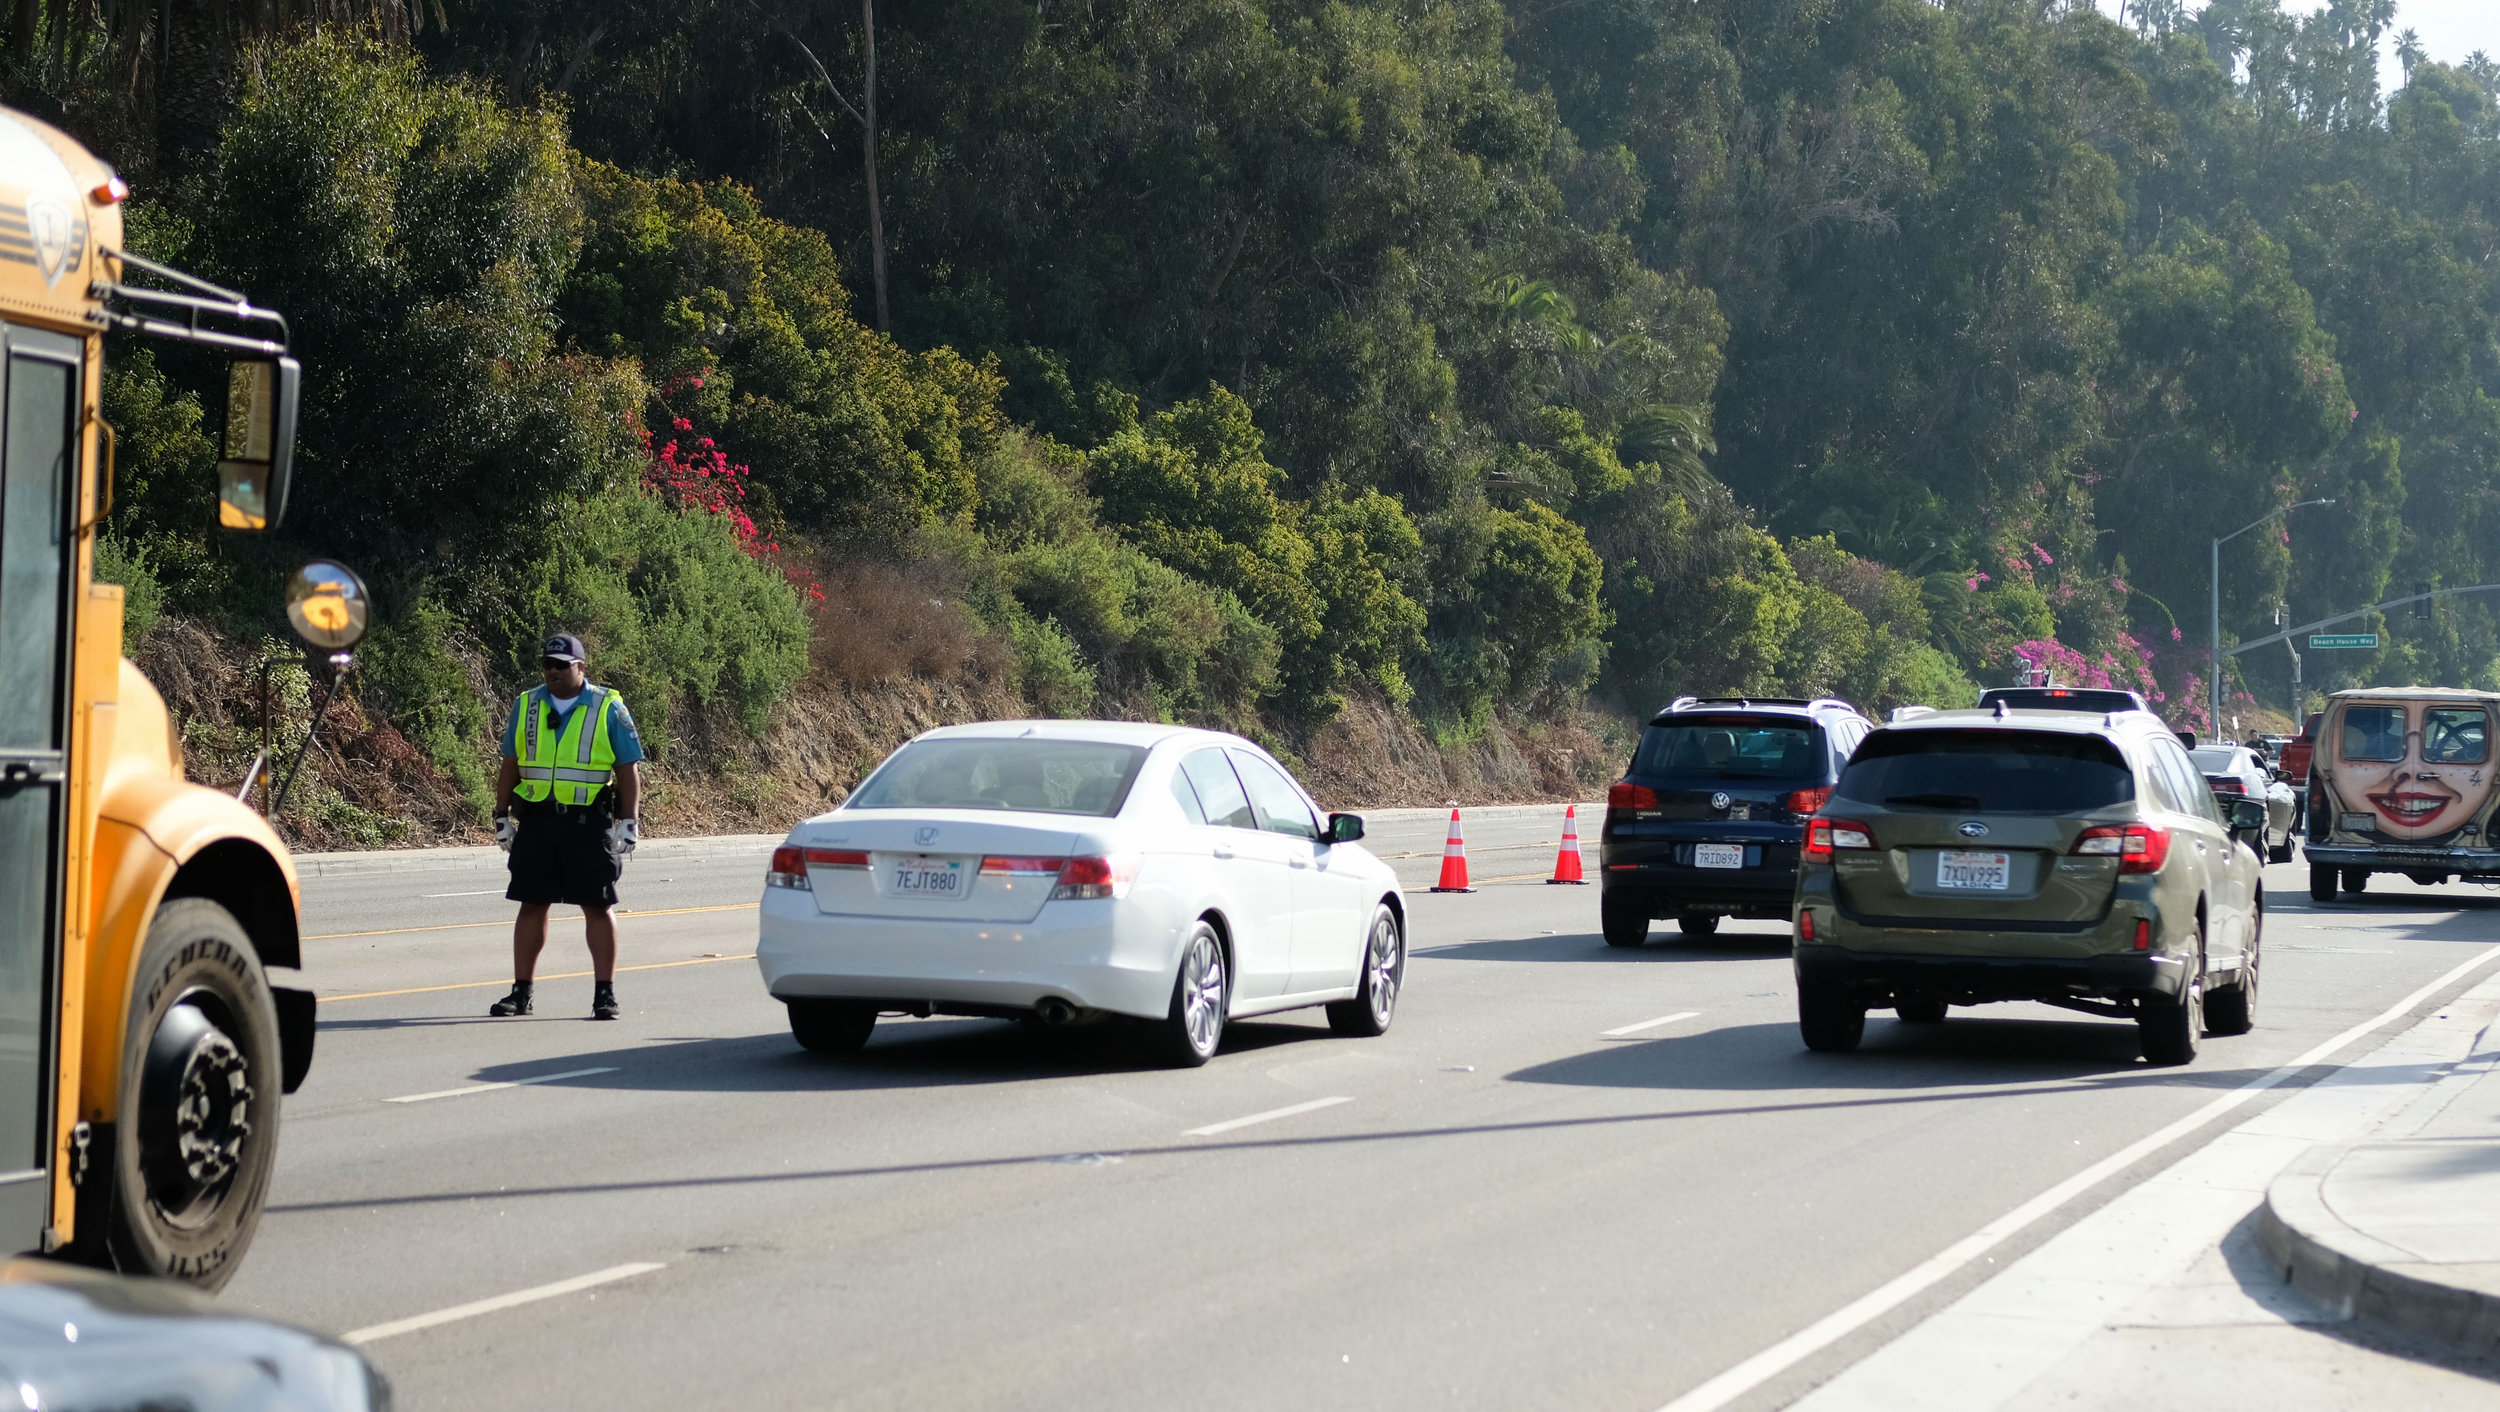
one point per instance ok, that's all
(2070, 858)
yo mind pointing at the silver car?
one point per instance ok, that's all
(2235, 772)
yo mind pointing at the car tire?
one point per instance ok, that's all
(1921, 1012)
(197, 1136)
(2321, 883)
(1623, 925)
(1202, 992)
(1367, 1015)
(831, 1026)
(2234, 1011)
(2170, 1028)
(1698, 924)
(1831, 1019)
(2356, 880)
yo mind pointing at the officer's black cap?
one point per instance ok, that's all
(562, 647)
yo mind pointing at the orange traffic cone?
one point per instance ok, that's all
(1453, 859)
(1567, 862)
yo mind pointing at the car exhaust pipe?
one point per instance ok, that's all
(1055, 1011)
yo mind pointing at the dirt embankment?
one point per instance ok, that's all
(366, 785)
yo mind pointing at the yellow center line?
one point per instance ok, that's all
(473, 926)
(564, 976)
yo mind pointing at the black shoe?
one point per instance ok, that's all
(517, 1003)
(603, 1001)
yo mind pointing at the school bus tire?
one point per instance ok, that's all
(202, 1068)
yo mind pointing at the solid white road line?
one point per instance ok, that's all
(507, 1083)
(1649, 1024)
(1271, 1114)
(481, 892)
(1857, 1314)
(458, 1312)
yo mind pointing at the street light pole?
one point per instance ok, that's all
(2213, 623)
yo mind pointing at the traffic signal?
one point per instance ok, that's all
(2422, 605)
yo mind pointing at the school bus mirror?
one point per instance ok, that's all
(327, 605)
(259, 450)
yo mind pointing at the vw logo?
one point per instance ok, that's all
(1974, 829)
(1719, 800)
(929, 835)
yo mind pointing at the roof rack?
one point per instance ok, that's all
(1910, 713)
(1682, 703)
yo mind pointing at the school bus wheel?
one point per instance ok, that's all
(201, 1071)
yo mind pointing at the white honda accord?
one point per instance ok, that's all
(1062, 870)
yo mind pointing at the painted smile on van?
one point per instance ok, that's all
(2410, 806)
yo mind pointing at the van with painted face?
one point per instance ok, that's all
(2402, 781)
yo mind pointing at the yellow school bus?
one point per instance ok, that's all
(142, 1048)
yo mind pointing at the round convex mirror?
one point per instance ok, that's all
(327, 606)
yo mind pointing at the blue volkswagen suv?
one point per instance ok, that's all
(1708, 821)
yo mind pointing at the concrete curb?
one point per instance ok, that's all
(2360, 1277)
(427, 860)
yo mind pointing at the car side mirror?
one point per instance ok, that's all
(1345, 828)
(2248, 816)
(258, 454)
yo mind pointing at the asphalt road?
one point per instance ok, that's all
(1569, 1177)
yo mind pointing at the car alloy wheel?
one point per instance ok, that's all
(1384, 972)
(1194, 1026)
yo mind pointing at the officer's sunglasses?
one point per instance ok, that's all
(553, 664)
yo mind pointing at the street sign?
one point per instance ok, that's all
(2320, 640)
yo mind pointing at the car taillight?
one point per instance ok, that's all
(788, 869)
(1805, 925)
(1806, 801)
(1627, 795)
(836, 858)
(1081, 879)
(997, 863)
(2226, 786)
(1824, 835)
(2139, 848)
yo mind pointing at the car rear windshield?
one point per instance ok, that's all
(1988, 771)
(1034, 776)
(2061, 698)
(1721, 748)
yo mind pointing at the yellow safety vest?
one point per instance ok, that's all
(572, 766)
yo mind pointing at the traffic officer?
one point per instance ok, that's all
(567, 802)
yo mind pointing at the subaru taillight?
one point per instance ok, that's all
(1825, 835)
(1087, 878)
(1806, 801)
(2139, 848)
(1627, 795)
(788, 869)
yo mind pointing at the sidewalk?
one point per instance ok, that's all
(2401, 1230)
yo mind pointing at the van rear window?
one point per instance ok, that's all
(1720, 748)
(1988, 771)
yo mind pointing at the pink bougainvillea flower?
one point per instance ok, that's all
(2174, 635)
(682, 424)
(2044, 554)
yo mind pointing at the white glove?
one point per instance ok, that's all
(507, 828)
(623, 836)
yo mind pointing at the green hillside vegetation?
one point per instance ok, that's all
(1245, 358)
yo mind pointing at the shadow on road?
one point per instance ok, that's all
(935, 1053)
(1664, 945)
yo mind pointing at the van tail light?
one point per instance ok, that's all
(1806, 801)
(2143, 935)
(788, 869)
(2139, 848)
(1627, 795)
(1805, 925)
(1825, 835)
(1084, 879)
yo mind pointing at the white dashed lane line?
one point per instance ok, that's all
(458, 1312)
(506, 1083)
(1270, 1115)
(1620, 1030)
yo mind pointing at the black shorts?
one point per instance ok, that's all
(561, 855)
